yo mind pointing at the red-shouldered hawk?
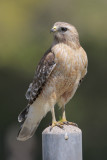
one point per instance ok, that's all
(56, 79)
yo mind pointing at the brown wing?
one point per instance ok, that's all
(43, 71)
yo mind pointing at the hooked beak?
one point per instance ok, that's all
(54, 29)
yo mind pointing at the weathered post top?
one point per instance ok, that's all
(62, 144)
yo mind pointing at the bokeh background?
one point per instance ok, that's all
(24, 37)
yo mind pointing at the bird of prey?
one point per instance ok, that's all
(56, 79)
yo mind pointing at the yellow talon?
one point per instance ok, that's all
(61, 123)
(58, 124)
(64, 121)
(54, 124)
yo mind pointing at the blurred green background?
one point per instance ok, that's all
(24, 37)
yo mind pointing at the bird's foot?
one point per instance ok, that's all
(61, 123)
(58, 124)
(64, 121)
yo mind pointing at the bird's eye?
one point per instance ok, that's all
(64, 29)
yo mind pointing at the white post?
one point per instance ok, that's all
(62, 144)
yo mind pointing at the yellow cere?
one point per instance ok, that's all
(54, 27)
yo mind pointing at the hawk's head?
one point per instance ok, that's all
(65, 32)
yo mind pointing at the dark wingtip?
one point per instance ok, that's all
(22, 116)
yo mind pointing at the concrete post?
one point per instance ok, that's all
(62, 144)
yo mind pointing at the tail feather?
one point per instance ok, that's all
(34, 115)
(27, 130)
